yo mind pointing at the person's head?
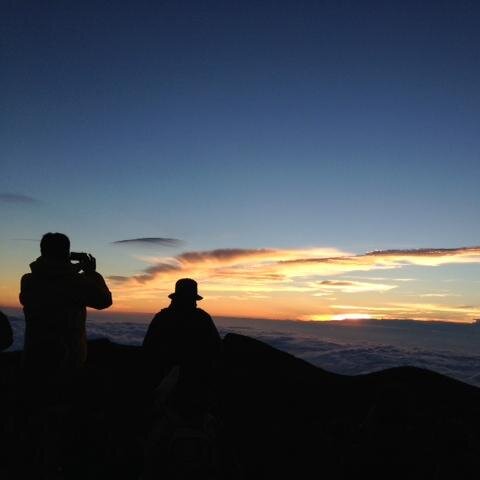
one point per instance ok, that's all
(186, 292)
(55, 246)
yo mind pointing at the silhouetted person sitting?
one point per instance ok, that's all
(6, 335)
(55, 296)
(185, 336)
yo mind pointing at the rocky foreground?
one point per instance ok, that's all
(276, 415)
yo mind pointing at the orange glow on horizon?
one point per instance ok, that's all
(352, 316)
(315, 284)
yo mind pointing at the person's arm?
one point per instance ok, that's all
(92, 289)
(27, 293)
(95, 292)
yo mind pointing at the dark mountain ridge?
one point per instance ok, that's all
(281, 416)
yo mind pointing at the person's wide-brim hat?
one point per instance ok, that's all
(186, 288)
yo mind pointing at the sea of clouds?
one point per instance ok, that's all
(350, 348)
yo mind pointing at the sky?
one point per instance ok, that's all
(300, 159)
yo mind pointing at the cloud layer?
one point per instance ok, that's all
(341, 347)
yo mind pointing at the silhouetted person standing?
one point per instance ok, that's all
(185, 336)
(6, 335)
(55, 296)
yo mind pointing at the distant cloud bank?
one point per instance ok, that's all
(341, 347)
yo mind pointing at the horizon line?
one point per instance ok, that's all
(331, 320)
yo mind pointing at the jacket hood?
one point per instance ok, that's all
(49, 268)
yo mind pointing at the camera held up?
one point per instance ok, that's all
(85, 261)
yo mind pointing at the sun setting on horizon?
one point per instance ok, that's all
(353, 316)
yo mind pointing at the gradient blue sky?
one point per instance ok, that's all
(344, 124)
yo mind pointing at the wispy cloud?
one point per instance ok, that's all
(17, 198)
(151, 272)
(354, 287)
(118, 278)
(304, 277)
(277, 265)
(150, 241)
(396, 258)
(426, 252)
(224, 255)
(438, 295)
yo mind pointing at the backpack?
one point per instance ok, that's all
(181, 445)
(179, 448)
(192, 448)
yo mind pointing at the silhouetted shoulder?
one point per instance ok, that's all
(208, 326)
(26, 293)
(156, 329)
(160, 316)
(25, 277)
(6, 334)
(203, 313)
(25, 280)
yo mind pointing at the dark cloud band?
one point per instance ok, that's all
(153, 241)
(118, 278)
(154, 270)
(222, 254)
(17, 198)
(419, 252)
(425, 252)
